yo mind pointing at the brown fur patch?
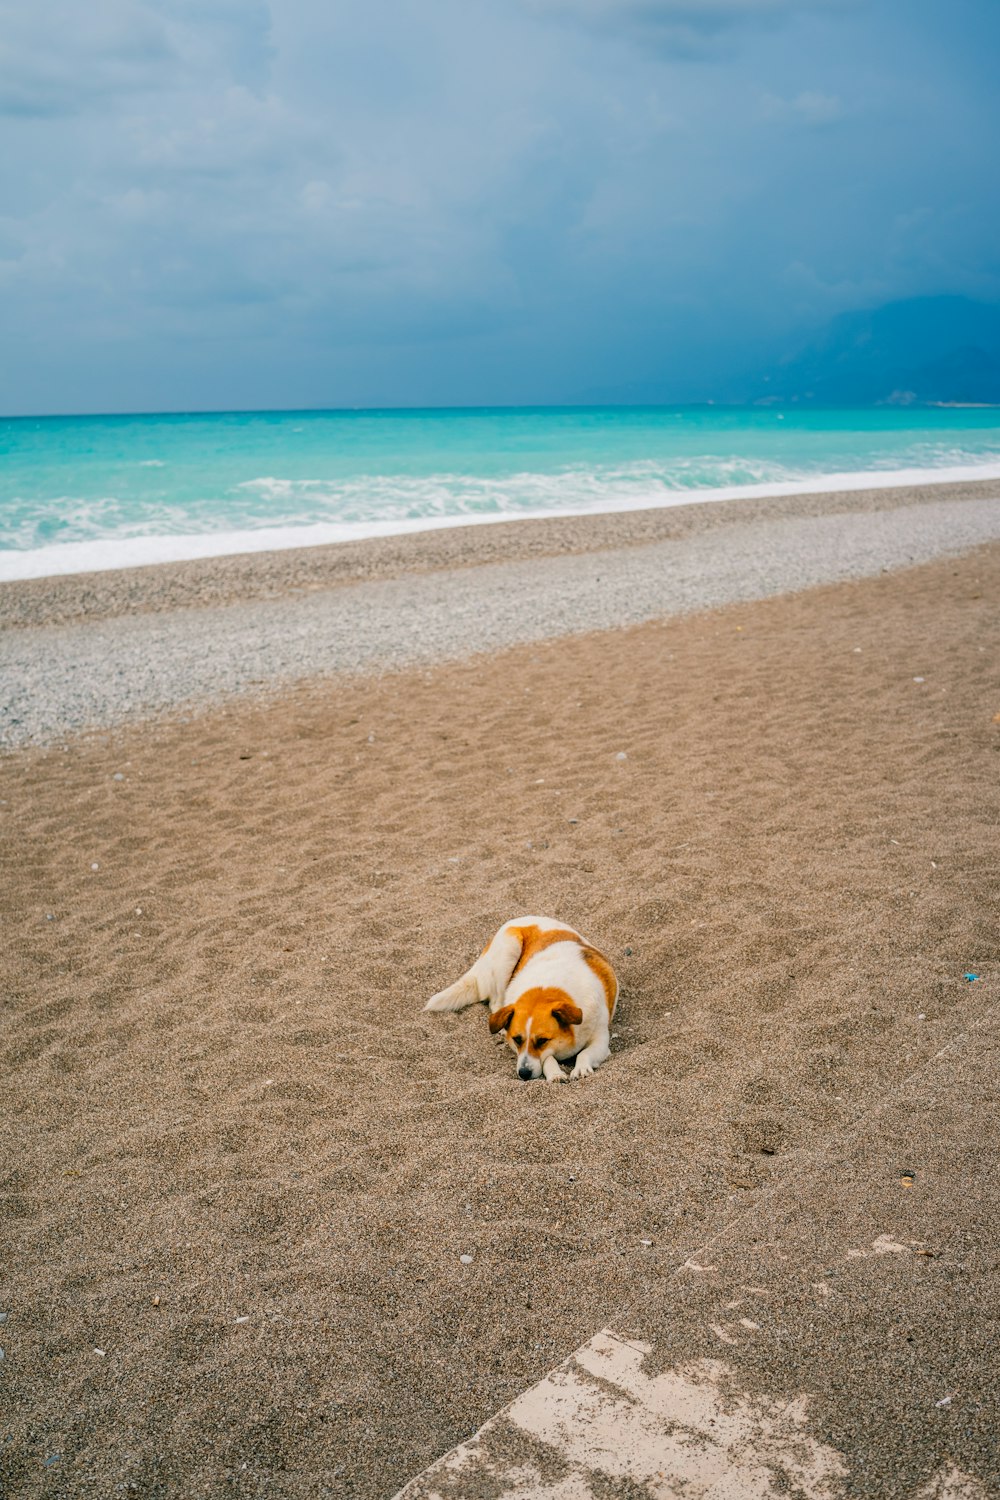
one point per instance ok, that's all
(534, 939)
(567, 1014)
(605, 973)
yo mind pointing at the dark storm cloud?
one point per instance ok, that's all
(683, 28)
(230, 202)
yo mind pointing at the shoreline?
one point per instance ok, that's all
(100, 669)
(65, 559)
(57, 599)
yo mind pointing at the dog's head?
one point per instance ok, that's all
(540, 1024)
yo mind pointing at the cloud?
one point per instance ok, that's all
(54, 59)
(808, 108)
(470, 200)
(58, 57)
(682, 28)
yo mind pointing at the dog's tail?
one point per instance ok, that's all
(457, 996)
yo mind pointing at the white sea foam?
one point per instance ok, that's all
(377, 497)
(136, 551)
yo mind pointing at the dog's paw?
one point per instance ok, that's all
(583, 1069)
(559, 1077)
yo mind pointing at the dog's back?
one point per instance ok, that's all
(525, 949)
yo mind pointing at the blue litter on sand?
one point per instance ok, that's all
(971, 977)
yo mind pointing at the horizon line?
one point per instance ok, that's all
(766, 404)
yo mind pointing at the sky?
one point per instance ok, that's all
(220, 204)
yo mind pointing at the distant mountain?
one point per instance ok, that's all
(921, 350)
(924, 349)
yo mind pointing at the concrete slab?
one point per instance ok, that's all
(840, 1339)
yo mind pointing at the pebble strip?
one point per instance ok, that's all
(56, 680)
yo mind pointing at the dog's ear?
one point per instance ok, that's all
(500, 1019)
(567, 1014)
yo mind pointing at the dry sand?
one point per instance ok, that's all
(240, 1167)
(839, 1337)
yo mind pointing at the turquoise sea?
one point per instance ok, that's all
(79, 493)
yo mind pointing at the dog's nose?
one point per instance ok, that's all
(523, 1071)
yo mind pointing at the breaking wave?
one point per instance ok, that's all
(82, 493)
(315, 512)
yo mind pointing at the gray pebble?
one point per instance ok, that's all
(59, 679)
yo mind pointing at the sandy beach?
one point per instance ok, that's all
(241, 1169)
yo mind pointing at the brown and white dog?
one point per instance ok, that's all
(551, 996)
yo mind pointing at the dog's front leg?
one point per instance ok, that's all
(591, 1057)
(553, 1072)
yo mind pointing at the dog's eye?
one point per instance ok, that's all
(542, 1041)
(518, 1040)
